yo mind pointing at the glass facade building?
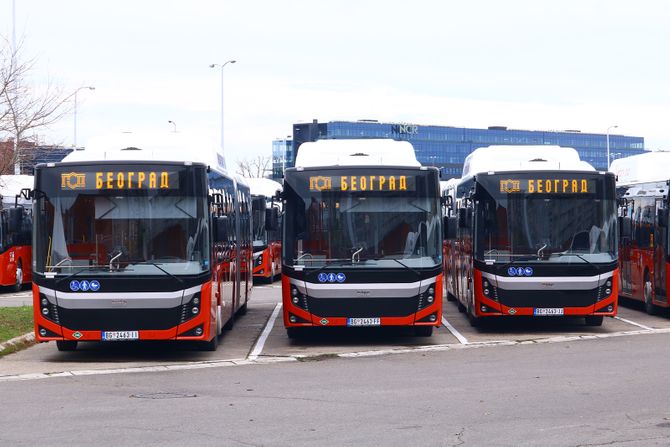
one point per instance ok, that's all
(446, 147)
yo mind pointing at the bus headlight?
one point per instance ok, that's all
(45, 311)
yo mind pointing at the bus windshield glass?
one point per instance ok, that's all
(258, 207)
(363, 217)
(121, 220)
(545, 217)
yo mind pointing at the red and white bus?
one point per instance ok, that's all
(140, 237)
(534, 233)
(644, 251)
(362, 237)
(15, 232)
(267, 237)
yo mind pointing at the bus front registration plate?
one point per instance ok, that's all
(364, 321)
(120, 335)
(547, 311)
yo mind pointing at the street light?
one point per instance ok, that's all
(174, 124)
(75, 112)
(222, 65)
(607, 138)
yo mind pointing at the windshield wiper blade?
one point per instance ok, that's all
(407, 267)
(561, 254)
(159, 268)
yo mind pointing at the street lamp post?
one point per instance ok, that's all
(174, 125)
(222, 65)
(607, 139)
(75, 113)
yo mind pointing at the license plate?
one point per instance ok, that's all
(364, 321)
(548, 311)
(120, 335)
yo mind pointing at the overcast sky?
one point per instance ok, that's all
(525, 64)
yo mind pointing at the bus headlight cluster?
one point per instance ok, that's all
(259, 260)
(47, 309)
(489, 290)
(297, 298)
(605, 290)
(427, 297)
(191, 308)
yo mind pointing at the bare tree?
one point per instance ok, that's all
(254, 167)
(23, 108)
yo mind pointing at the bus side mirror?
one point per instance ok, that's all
(662, 217)
(15, 219)
(624, 227)
(220, 228)
(272, 219)
(462, 221)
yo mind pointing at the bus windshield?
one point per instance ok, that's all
(120, 230)
(258, 207)
(371, 227)
(559, 224)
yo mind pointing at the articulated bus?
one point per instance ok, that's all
(644, 251)
(15, 232)
(534, 233)
(362, 237)
(132, 241)
(267, 237)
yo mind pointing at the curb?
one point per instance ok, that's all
(18, 341)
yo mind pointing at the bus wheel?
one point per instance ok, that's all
(450, 297)
(423, 331)
(594, 320)
(294, 333)
(461, 307)
(474, 320)
(648, 298)
(19, 278)
(66, 345)
(211, 345)
(243, 310)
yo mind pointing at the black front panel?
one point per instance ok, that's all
(116, 283)
(119, 319)
(366, 276)
(363, 307)
(547, 298)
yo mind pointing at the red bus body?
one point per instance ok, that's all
(362, 246)
(644, 264)
(169, 265)
(516, 249)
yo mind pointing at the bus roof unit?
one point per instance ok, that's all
(263, 186)
(523, 158)
(356, 152)
(164, 146)
(642, 168)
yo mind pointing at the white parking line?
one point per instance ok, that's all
(458, 335)
(635, 324)
(258, 348)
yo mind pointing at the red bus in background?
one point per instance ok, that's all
(15, 232)
(266, 228)
(644, 246)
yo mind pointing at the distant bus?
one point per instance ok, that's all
(534, 233)
(266, 232)
(140, 237)
(15, 232)
(644, 246)
(362, 238)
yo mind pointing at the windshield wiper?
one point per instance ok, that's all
(563, 253)
(158, 267)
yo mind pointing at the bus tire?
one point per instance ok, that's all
(450, 296)
(230, 323)
(294, 333)
(423, 331)
(211, 345)
(649, 306)
(66, 345)
(474, 320)
(461, 307)
(243, 309)
(593, 320)
(19, 277)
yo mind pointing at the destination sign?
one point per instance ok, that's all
(121, 180)
(362, 183)
(548, 186)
